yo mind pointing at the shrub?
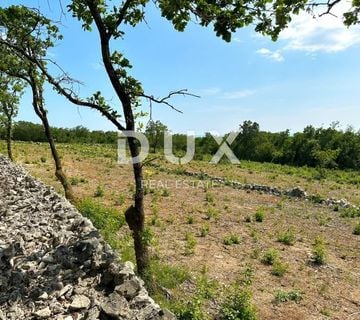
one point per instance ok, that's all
(248, 219)
(204, 230)
(212, 213)
(190, 244)
(283, 296)
(279, 268)
(190, 219)
(357, 229)
(319, 251)
(99, 192)
(350, 213)
(259, 215)
(74, 181)
(231, 239)
(209, 197)
(287, 237)
(270, 257)
(238, 306)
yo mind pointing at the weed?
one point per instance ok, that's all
(287, 237)
(248, 219)
(204, 230)
(43, 159)
(350, 213)
(231, 239)
(99, 192)
(285, 296)
(165, 192)
(237, 305)
(120, 200)
(270, 256)
(319, 251)
(279, 268)
(356, 230)
(190, 219)
(259, 215)
(209, 197)
(190, 244)
(212, 213)
(74, 181)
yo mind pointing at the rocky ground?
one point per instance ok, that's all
(55, 265)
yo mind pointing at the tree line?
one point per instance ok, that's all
(324, 147)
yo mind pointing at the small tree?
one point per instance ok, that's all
(155, 133)
(20, 23)
(10, 93)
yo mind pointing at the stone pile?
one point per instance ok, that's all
(295, 192)
(55, 265)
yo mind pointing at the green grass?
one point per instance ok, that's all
(107, 220)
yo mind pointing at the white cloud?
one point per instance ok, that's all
(313, 34)
(325, 34)
(273, 55)
(238, 94)
(208, 91)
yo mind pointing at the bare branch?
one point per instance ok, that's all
(165, 100)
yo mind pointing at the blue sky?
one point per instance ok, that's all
(310, 76)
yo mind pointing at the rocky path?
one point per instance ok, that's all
(55, 265)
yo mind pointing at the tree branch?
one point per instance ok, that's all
(164, 100)
(69, 94)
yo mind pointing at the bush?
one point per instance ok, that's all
(287, 237)
(259, 215)
(190, 244)
(204, 230)
(319, 251)
(270, 257)
(231, 239)
(357, 229)
(99, 192)
(238, 306)
(283, 296)
(279, 268)
(350, 213)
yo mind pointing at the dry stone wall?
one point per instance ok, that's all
(55, 265)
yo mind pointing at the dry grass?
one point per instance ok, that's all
(330, 291)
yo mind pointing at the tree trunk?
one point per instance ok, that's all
(135, 215)
(41, 113)
(8, 139)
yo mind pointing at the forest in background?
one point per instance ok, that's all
(322, 147)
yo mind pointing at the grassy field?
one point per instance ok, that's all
(216, 248)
